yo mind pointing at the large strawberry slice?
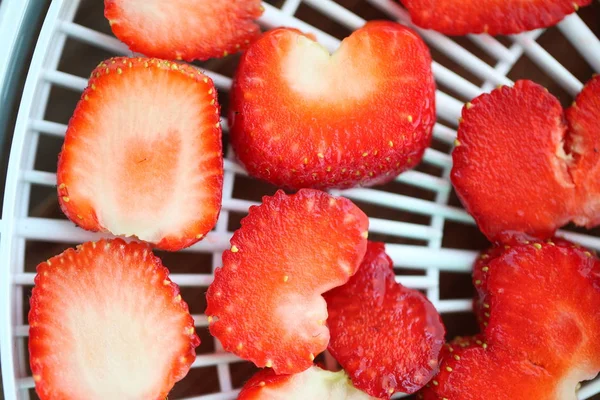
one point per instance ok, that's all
(510, 168)
(496, 17)
(265, 303)
(184, 29)
(544, 300)
(301, 117)
(385, 336)
(142, 153)
(106, 322)
(584, 144)
(314, 383)
(470, 369)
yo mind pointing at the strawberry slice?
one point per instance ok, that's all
(106, 322)
(473, 370)
(142, 153)
(543, 301)
(265, 303)
(301, 117)
(314, 383)
(510, 168)
(496, 17)
(584, 143)
(184, 29)
(387, 337)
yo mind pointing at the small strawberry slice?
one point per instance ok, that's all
(387, 337)
(301, 117)
(543, 301)
(142, 153)
(314, 383)
(510, 168)
(265, 304)
(106, 322)
(584, 143)
(472, 370)
(496, 17)
(447, 351)
(184, 29)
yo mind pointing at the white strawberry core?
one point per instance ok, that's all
(114, 334)
(315, 383)
(315, 74)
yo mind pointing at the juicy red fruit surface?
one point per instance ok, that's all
(496, 17)
(301, 117)
(106, 322)
(142, 154)
(584, 143)
(471, 369)
(510, 170)
(540, 338)
(184, 29)
(385, 336)
(265, 303)
(543, 301)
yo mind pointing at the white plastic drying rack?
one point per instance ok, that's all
(16, 227)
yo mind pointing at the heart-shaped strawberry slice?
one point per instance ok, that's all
(301, 117)
(520, 169)
(266, 304)
(510, 169)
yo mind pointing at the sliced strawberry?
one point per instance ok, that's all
(510, 168)
(473, 370)
(387, 337)
(301, 117)
(142, 153)
(314, 383)
(184, 29)
(496, 17)
(265, 304)
(106, 322)
(584, 143)
(544, 299)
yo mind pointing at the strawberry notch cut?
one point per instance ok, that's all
(106, 322)
(265, 303)
(302, 117)
(142, 154)
(385, 336)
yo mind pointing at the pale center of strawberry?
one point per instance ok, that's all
(315, 383)
(315, 74)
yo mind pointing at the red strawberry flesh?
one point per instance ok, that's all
(301, 117)
(265, 303)
(473, 370)
(496, 17)
(184, 29)
(106, 322)
(584, 144)
(510, 168)
(142, 153)
(543, 304)
(385, 336)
